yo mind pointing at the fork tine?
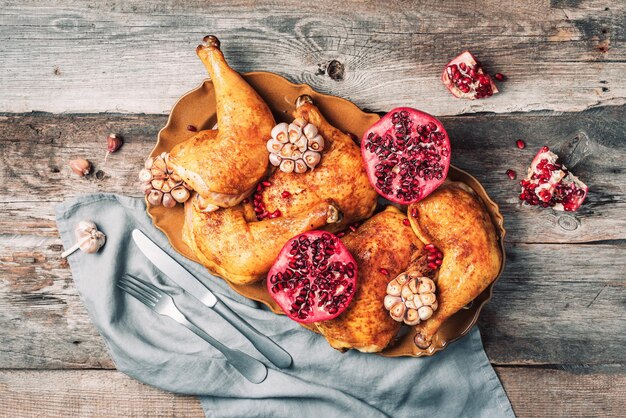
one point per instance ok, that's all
(139, 290)
(146, 286)
(134, 293)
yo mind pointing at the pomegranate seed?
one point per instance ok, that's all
(259, 187)
(498, 76)
(245, 201)
(406, 222)
(192, 128)
(285, 194)
(430, 247)
(340, 234)
(414, 212)
(266, 183)
(511, 173)
(384, 271)
(432, 265)
(275, 214)
(520, 144)
(352, 228)
(439, 254)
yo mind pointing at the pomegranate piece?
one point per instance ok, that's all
(550, 184)
(314, 277)
(520, 144)
(406, 155)
(464, 77)
(511, 173)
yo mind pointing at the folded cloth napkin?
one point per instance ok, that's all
(322, 382)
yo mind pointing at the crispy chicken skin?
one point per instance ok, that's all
(340, 176)
(455, 220)
(224, 165)
(383, 241)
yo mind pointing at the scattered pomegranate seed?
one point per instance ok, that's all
(384, 271)
(192, 128)
(352, 228)
(511, 173)
(340, 234)
(266, 183)
(285, 194)
(275, 214)
(414, 212)
(498, 76)
(406, 222)
(520, 144)
(246, 200)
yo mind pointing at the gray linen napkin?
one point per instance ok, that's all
(322, 381)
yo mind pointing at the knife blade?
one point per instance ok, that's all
(172, 269)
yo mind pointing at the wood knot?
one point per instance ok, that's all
(335, 70)
(568, 222)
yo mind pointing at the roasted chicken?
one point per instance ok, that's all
(223, 166)
(340, 176)
(382, 247)
(456, 222)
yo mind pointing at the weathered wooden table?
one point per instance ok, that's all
(555, 330)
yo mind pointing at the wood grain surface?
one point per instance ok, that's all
(71, 72)
(138, 56)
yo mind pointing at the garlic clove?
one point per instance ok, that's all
(80, 166)
(299, 122)
(309, 130)
(411, 304)
(300, 166)
(397, 312)
(274, 145)
(168, 201)
(411, 317)
(159, 163)
(390, 301)
(146, 188)
(296, 154)
(279, 133)
(165, 188)
(426, 285)
(316, 143)
(394, 288)
(402, 279)
(412, 284)
(157, 173)
(275, 159)
(406, 292)
(148, 164)
(435, 305)
(155, 197)
(157, 183)
(145, 175)
(180, 194)
(176, 178)
(287, 150)
(428, 298)
(301, 144)
(294, 132)
(425, 312)
(311, 158)
(114, 142)
(287, 166)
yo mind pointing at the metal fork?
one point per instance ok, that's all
(162, 303)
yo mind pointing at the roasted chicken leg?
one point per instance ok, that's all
(456, 222)
(223, 166)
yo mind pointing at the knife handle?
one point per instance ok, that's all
(272, 351)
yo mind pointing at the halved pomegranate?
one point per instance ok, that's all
(464, 77)
(314, 277)
(406, 155)
(550, 184)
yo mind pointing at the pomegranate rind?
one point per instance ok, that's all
(470, 60)
(386, 126)
(550, 184)
(286, 296)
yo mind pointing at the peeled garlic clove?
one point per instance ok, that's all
(406, 293)
(168, 201)
(180, 194)
(412, 284)
(279, 133)
(390, 301)
(397, 312)
(274, 145)
(411, 317)
(275, 159)
(155, 197)
(301, 144)
(300, 166)
(316, 143)
(311, 158)
(145, 175)
(394, 288)
(287, 166)
(299, 122)
(80, 166)
(426, 285)
(309, 130)
(428, 298)
(425, 312)
(294, 133)
(287, 150)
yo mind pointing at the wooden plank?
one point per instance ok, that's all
(533, 392)
(135, 56)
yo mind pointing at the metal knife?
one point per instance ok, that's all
(164, 262)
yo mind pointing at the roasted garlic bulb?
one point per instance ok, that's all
(161, 184)
(411, 298)
(295, 147)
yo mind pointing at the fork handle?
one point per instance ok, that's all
(249, 367)
(272, 351)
